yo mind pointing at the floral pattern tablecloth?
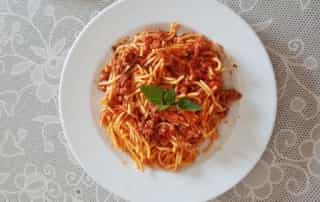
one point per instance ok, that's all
(35, 163)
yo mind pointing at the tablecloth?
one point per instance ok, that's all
(35, 162)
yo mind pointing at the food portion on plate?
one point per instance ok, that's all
(164, 97)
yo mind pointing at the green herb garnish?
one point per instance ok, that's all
(188, 105)
(169, 97)
(163, 99)
(153, 93)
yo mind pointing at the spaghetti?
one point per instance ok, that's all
(189, 64)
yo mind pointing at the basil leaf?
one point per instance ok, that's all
(188, 105)
(169, 97)
(153, 93)
(163, 99)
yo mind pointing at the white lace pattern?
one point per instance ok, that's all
(36, 164)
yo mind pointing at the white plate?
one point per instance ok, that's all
(206, 179)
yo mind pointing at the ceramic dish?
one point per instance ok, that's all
(207, 178)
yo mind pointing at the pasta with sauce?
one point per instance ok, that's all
(188, 64)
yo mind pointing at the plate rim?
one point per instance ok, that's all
(111, 6)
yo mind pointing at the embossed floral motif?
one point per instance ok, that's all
(304, 4)
(259, 183)
(8, 100)
(50, 68)
(35, 186)
(247, 5)
(45, 121)
(311, 63)
(9, 145)
(310, 149)
(8, 34)
(297, 105)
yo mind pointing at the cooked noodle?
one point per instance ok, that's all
(188, 63)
